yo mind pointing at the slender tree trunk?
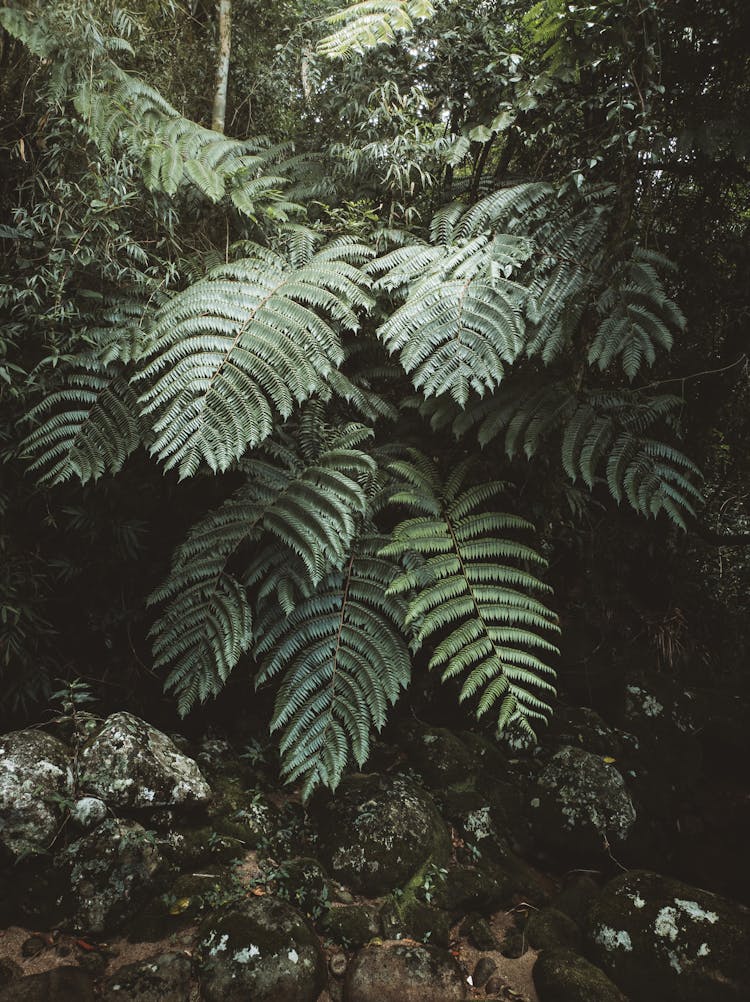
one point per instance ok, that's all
(224, 8)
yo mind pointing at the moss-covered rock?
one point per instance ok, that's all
(401, 973)
(477, 930)
(576, 897)
(406, 917)
(549, 928)
(303, 883)
(190, 897)
(469, 888)
(245, 814)
(581, 800)
(560, 975)
(129, 763)
(439, 756)
(35, 776)
(582, 727)
(260, 949)
(111, 872)
(163, 978)
(352, 925)
(378, 831)
(187, 848)
(659, 938)
(64, 984)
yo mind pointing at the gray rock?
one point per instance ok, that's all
(658, 938)
(378, 832)
(129, 763)
(112, 870)
(35, 770)
(65, 984)
(165, 978)
(485, 968)
(562, 976)
(88, 812)
(579, 801)
(402, 973)
(260, 949)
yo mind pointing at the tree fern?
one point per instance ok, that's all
(342, 661)
(369, 23)
(607, 430)
(474, 596)
(245, 345)
(308, 509)
(638, 316)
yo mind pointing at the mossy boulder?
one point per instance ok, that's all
(303, 883)
(439, 756)
(560, 975)
(658, 938)
(64, 984)
(576, 897)
(129, 763)
(468, 888)
(244, 814)
(35, 776)
(406, 917)
(260, 949)
(111, 872)
(378, 832)
(190, 897)
(352, 925)
(579, 801)
(549, 928)
(163, 978)
(186, 848)
(582, 727)
(404, 973)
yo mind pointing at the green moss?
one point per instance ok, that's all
(562, 976)
(352, 925)
(550, 928)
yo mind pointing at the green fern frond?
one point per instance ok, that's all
(369, 23)
(343, 661)
(638, 316)
(608, 428)
(306, 509)
(474, 596)
(244, 345)
(87, 429)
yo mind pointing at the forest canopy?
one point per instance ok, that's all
(409, 370)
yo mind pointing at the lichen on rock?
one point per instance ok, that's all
(659, 938)
(129, 763)
(260, 949)
(35, 779)
(378, 832)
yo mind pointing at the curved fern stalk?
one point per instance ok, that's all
(474, 595)
(309, 509)
(638, 315)
(244, 345)
(369, 23)
(343, 661)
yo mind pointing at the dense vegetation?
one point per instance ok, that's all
(402, 381)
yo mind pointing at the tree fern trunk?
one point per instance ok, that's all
(222, 69)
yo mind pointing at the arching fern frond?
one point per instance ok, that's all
(89, 421)
(343, 661)
(475, 598)
(308, 509)
(244, 345)
(638, 316)
(88, 428)
(606, 433)
(369, 23)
